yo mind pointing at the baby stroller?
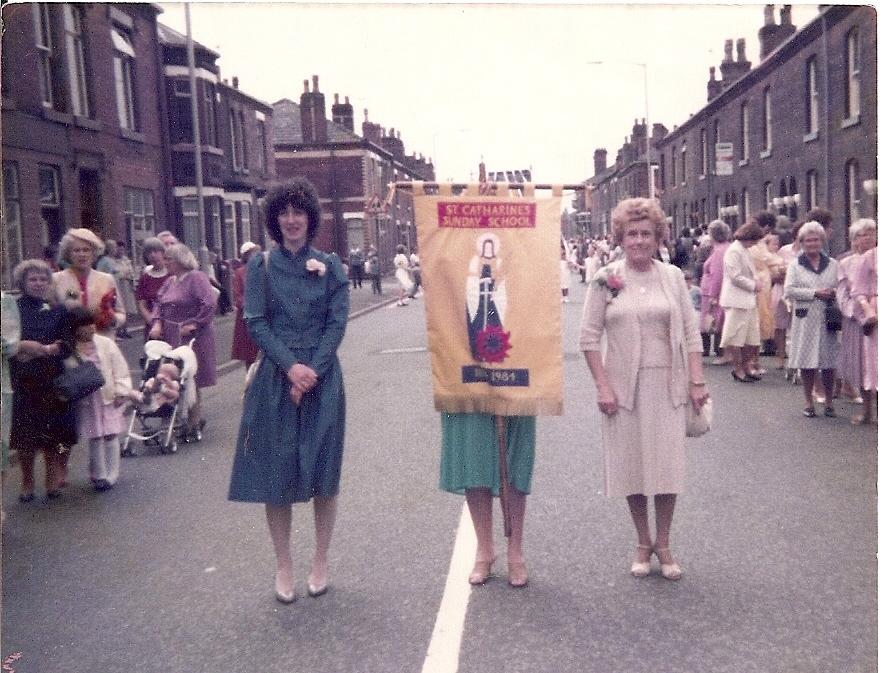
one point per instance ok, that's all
(164, 399)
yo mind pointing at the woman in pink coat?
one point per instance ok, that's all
(711, 282)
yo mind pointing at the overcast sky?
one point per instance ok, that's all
(509, 82)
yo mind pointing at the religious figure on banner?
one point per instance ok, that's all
(487, 302)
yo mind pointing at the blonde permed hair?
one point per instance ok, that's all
(636, 210)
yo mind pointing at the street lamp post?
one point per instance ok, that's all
(649, 174)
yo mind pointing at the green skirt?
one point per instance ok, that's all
(470, 452)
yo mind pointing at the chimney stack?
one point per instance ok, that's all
(714, 85)
(235, 81)
(312, 108)
(740, 50)
(599, 161)
(343, 113)
(771, 34)
(730, 69)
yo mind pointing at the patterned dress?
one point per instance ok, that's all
(812, 345)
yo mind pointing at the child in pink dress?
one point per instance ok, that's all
(100, 415)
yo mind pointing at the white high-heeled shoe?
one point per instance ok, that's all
(670, 571)
(641, 568)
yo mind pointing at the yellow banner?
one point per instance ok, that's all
(490, 273)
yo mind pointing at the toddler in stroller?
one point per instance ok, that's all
(161, 402)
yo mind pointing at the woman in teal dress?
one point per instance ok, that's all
(469, 466)
(291, 438)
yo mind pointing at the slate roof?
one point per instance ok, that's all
(171, 36)
(287, 126)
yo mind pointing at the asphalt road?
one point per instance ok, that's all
(777, 535)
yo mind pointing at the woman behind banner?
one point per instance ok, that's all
(651, 370)
(291, 439)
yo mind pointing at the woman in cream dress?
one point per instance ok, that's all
(652, 368)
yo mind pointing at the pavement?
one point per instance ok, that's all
(776, 533)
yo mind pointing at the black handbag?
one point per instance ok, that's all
(833, 318)
(78, 382)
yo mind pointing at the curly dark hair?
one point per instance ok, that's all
(300, 194)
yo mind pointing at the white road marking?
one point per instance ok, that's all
(445, 646)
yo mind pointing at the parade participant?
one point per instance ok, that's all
(100, 415)
(415, 270)
(738, 297)
(711, 284)
(355, 264)
(243, 348)
(864, 293)
(810, 286)
(149, 283)
(116, 263)
(167, 238)
(373, 268)
(81, 285)
(850, 365)
(40, 421)
(184, 311)
(565, 276)
(789, 251)
(401, 271)
(291, 438)
(769, 268)
(651, 370)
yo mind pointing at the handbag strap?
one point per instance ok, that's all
(267, 255)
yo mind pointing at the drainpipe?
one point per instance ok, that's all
(827, 112)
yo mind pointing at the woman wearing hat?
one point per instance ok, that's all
(738, 297)
(242, 346)
(81, 285)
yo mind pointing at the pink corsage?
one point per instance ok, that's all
(611, 282)
(316, 266)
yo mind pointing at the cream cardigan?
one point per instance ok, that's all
(98, 283)
(113, 367)
(621, 354)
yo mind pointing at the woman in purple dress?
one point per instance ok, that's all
(183, 311)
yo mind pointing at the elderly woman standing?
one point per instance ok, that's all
(291, 439)
(864, 293)
(401, 272)
(811, 284)
(40, 421)
(81, 285)
(711, 283)
(651, 370)
(850, 365)
(243, 348)
(738, 297)
(184, 311)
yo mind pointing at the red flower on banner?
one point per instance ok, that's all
(493, 344)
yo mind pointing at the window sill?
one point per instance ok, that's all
(809, 137)
(86, 123)
(189, 147)
(744, 162)
(765, 154)
(56, 116)
(851, 121)
(132, 135)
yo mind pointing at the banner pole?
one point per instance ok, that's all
(504, 486)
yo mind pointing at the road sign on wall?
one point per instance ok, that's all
(724, 155)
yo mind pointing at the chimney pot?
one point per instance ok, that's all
(786, 16)
(347, 101)
(739, 45)
(307, 89)
(769, 15)
(366, 114)
(316, 81)
(727, 51)
(335, 96)
(235, 81)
